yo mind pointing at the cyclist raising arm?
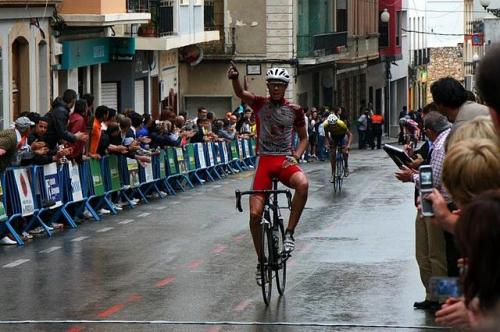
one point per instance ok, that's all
(335, 135)
(277, 120)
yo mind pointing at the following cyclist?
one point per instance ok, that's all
(410, 130)
(277, 121)
(336, 131)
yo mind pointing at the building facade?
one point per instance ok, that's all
(394, 54)
(136, 45)
(480, 30)
(25, 43)
(326, 46)
(418, 57)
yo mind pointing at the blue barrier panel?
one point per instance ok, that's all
(211, 160)
(162, 170)
(74, 198)
(21, 191)
(192, 168)
(149, 177)
(177, 168)
(8, 215)
(50, 183)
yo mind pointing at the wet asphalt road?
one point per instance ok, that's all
(186, 263)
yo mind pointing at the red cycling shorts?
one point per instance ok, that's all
(269, 167)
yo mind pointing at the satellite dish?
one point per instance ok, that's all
(192, 54)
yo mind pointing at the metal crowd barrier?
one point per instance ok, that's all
(41, 195)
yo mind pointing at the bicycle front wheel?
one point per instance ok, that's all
(281, 261)
(339, 173)
(266, 272)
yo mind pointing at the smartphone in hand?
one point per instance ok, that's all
(442, 288)
(426, 185)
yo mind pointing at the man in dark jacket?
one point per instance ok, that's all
(58, 121)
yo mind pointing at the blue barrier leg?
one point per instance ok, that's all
(92, 211)
(12, 231)
(109, 203)
(169, 188)
(67, 216)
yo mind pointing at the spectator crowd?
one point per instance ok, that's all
(461, 241)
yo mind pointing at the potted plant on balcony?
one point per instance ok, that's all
(148, 30)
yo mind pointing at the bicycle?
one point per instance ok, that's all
(273, 257)
(338, 177)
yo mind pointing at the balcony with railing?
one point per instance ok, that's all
(99, 13)
(224, 47)
(138, 6)
(321, 45)
(361, 48)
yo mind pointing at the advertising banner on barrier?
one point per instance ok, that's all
(180, 160)
(240, 149)
(224, 151)
(76, 185)
(234, 150)
(211, 154)
(51, 179)
(171, 161)
(191, 160)
(201, 155)
(218, 152)
(3, 214)
(148, 169)
(23, 185)
(114, 171)
(95, 171)
(133, 171)
(247, 148)
(163, 172)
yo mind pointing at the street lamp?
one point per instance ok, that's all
(475, 60)
(385, 16)
(486, 4)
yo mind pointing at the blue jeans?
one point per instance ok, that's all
(321, 148)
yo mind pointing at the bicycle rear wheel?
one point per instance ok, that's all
(340, 174)
(281, 261)
(266, 272)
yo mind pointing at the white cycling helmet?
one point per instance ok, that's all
(278, 74)
(332, 119)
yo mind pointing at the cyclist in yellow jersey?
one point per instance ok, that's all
(336, 131)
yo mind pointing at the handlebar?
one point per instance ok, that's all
(267, 193)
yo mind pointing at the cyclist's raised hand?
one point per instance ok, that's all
(232, 72)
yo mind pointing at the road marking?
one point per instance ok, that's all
(306, 248)
(239, 237)
(81, 238)
(164, 282)
(134, 298)
(242, 305)
(49, 250)
(16, 263)
(126, 221)
(105, 229)
(195, 264)
(303, 324)
(174, 203)
(159, 208)
(218, 186)
(142, 215)
(111, 310)
(219, 249)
